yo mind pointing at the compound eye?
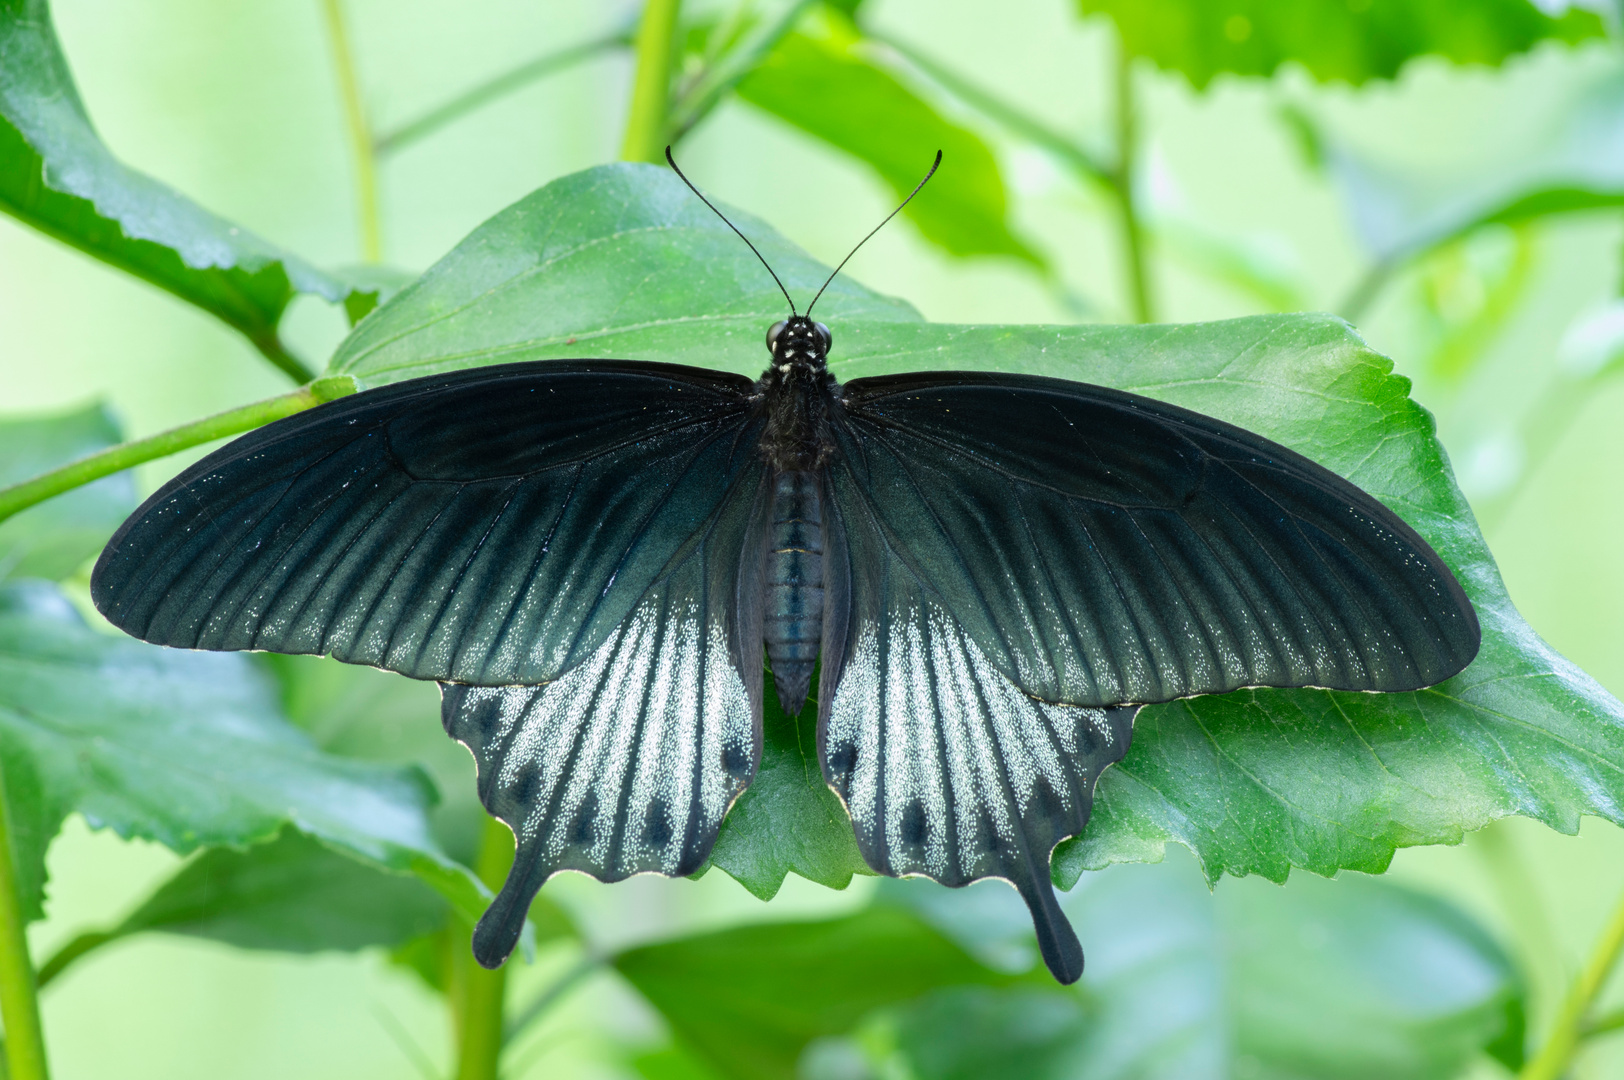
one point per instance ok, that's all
(823, 333)
(773, 332)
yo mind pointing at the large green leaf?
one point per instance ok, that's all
(1349, 40)
(748, 1000)
(56, 175)
(1315, 981)
(291, 894)
(1253, 782)
(827, 86)
(53, 539)
(184, 748)
(621, 260)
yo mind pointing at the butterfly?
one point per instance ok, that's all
(988, 573)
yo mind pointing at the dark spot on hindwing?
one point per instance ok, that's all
(582, 831)
(656, 825)
(914, 828)
(523, 789)
(988, 842)
(843, 759)
(735, 761)
(476, 725)
(1046, 802)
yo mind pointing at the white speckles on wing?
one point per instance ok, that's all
(947, 767)
(620, 766)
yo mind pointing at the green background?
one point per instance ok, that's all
(237, 106)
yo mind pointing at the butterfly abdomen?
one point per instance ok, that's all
(793, 620)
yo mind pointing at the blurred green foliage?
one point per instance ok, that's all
(292, 779)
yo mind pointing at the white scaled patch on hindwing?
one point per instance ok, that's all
(949, 769)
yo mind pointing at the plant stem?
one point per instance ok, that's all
(1002, 112)
(1122, 178)
(19, 1005)
(271, 348)
(1365, 290)
(478, 993)
(1605, 1024)
(1554, 1057)
(697, 103)
(355, 118)
(647, 124)
(87, 942)
(114, 459)
(492, 89)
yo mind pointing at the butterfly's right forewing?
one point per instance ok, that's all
(491, 526)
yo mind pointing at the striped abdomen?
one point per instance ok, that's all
(793, 623)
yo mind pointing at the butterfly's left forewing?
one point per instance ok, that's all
(628, 762)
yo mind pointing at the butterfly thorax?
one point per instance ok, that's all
(796, 393)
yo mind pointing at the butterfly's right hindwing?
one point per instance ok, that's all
(628, 762)
(492, 526)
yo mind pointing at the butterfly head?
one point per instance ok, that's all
(798, 341)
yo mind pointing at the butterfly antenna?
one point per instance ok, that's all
(735, 228)
(934, 166)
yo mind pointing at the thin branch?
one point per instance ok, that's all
(549, 997)
(114, 459)
(270, 346)
(1122, 179)
(478, 994)
(1553, 1059)
(649, 118)
(1014, 119)
(80, 946)
(721, 77)
(1605, 1024)
(1366, 289)
(493, 89)
(19, 1002)
(355, 118)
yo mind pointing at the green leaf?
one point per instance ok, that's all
(1345, 40)
(670, 1063)
(829, 88)
(291, 894)
(1572, 161)
(56, 175)
(53, 539)
(621, 260)
(788, 819)
(1253, 782)
(1319, 980)
(749, 999)
(185, 748)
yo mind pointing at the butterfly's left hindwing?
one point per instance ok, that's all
(948, 768)
(628, 762)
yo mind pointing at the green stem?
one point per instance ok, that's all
(19, 1005)
(648, 123)
(125, 455)
(1366, 290)
(492, 89)
(355, 119)
(88, 942)
(270, 346)
(1016, 121)
(709, 89)
(1554, 1057)
(549, 997)
(1133, 239)
(479, 993)
(1605, 1024)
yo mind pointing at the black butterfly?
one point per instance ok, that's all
(996, 571)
